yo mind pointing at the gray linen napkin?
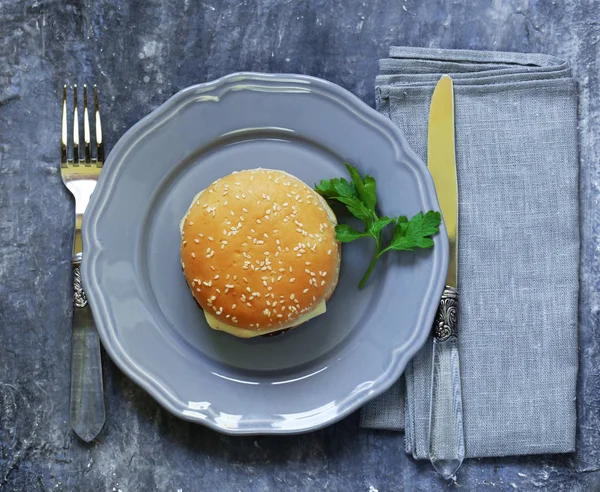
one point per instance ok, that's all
(517, 164)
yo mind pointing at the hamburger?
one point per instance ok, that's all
(259, 252)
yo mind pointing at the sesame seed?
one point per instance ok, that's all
(292, 280)
(198, 289)
(248, 304)
(292, 296)
(233, 306)
(193, 255)
(234, 319)
(195, 240)
(298, 255)
(258, 221)
(208, 284)
(190, 223)
(305, 291)
(329, 252)
(322, 282)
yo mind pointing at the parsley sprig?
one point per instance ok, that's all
(360, 198)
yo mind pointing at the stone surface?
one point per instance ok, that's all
(139, 54)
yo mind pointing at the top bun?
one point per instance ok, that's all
(259, 251)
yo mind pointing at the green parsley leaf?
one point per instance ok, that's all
(335, 188)
(360, 198)
(379, 225)
(345, 234)
(416, 233)
(367, 189)
(358, 209)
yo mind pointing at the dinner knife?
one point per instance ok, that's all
(446, 434)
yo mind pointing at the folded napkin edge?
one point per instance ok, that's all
(468, 56)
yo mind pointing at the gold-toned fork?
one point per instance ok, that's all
(80, 174)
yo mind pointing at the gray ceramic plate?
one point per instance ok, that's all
(149, 322)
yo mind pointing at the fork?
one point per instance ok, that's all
(80, 175)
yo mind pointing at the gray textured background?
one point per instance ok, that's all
(139, 54)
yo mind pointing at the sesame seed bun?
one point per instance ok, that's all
(258, 250)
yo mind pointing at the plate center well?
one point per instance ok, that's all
(184, 320)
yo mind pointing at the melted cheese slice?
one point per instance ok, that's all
(216, 324)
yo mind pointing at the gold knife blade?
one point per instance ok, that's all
(442, 165)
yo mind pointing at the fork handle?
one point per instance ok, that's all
(87, 411)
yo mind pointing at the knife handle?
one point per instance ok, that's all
(87, 411)
(446, 434)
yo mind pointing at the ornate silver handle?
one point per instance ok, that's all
(87, 394)
(446, 434)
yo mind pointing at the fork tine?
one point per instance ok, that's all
(76, 159)
(99, 141)
(86, 127)
(63, 141)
